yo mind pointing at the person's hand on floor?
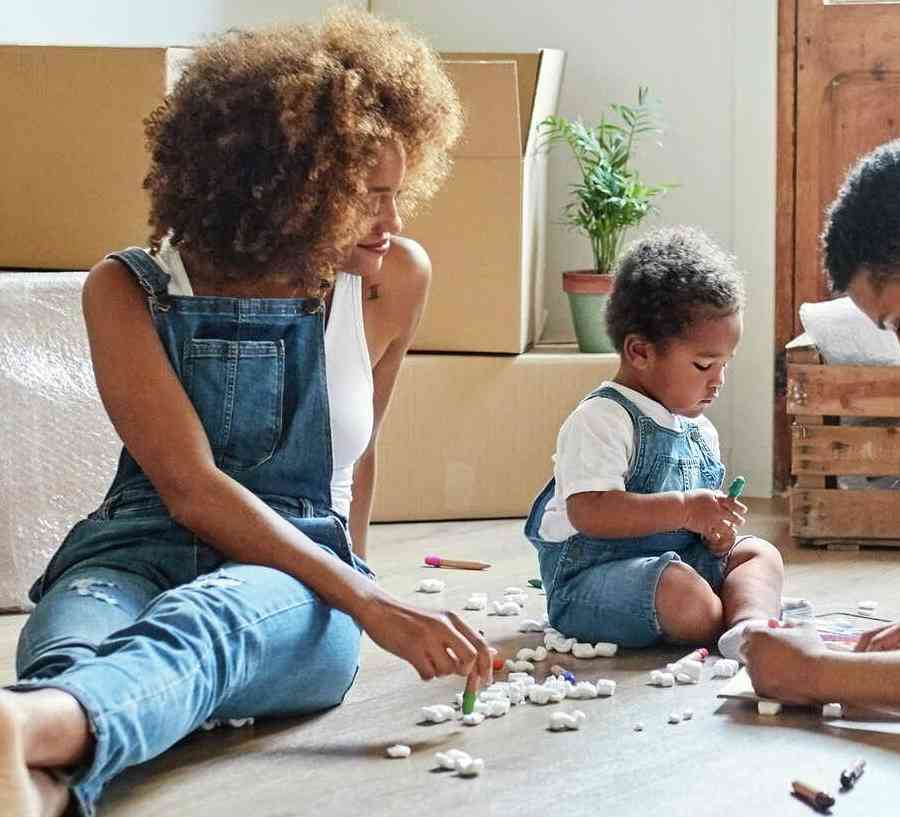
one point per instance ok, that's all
(435, 643)
(782, 661)
(881, 639)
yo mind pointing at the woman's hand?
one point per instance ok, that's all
(435, 643)
(783, 662)
(881, 639)
(715, 516)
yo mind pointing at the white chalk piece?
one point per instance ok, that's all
(449, 759)
(687, 714)
(470, 768)
(674, 717)
(477, 601)
(430, 586)
(398, 750)
(530, 625)
(867, 606)
(725, 668)
(768, 707)
(606, 687)
(832, 711)
(505, 608)
(639, 727)
(561, 721)
(437, 713)
(604, 649)
(473, 719)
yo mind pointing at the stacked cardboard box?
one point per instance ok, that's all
(474, 420)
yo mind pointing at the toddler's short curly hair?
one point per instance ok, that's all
(260, 155)
(669, 280)
(862, 226)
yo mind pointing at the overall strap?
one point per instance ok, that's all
(616, 396)
(153, 278)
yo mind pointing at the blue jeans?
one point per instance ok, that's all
(159, 635)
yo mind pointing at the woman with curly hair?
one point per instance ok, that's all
(246, 360)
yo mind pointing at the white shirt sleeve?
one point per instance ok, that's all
(594, 448)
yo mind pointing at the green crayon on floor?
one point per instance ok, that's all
(736, 488)
(468, 706)
(536, 583)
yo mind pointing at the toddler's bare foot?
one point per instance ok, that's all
(24, 792)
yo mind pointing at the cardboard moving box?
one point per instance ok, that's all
(485, 231)
(472, 436)
(73, 150)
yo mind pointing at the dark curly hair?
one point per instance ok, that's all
(862, 225)
(260, 155)
(669, 280)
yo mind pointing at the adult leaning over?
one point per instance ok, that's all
(861, 243)
(246, 360)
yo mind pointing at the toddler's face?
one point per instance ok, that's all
(881, 304)
(687, 375)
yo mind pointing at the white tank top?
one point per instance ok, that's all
(348, 371)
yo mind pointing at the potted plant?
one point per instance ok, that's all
(606, 203)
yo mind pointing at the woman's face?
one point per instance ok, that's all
(384, 185)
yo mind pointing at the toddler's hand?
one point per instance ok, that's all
(880, 639)
(715, 516)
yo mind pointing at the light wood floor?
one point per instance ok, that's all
(727, 760)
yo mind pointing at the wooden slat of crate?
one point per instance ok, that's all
(854, 391)
(844, 450)
(836, 514)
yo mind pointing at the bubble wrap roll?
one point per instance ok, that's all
(58, 449)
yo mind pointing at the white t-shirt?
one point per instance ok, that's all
(595, 451)
(348, 371)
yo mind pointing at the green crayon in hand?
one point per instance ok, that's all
(736, 488)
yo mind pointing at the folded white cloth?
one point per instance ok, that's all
(845, 335)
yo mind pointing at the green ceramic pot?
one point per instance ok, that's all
(588, 294)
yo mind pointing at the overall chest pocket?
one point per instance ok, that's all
(237, 388)
(672, 474)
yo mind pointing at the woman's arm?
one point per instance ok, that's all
(161, 430)
(391, 322)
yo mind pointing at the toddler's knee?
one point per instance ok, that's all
(686, 606)
(759, 549)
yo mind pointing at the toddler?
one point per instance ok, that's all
(636, 540)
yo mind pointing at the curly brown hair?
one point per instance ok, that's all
(260, 155)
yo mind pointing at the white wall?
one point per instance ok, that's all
(132, 22)
(712, 63)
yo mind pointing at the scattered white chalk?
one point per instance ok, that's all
(530, 625)
(674, 717)
(583, 690)
(525, 654)
(519, 598)
(604, 649)
(662, 679)
(583, 650)
(539, 694)
(605, 687)
(449, 759)
(437, 713)
(520, 677)
(688, 671)
(725, 668)
(518, 666)
(430, 586)
(687, 714)
(832, 711)
(398, 750)
(473, 718)
(511, 591)
(470, 768)
(477, 601)
(768, 707)
(867, 606)
(560, 721)
(540, 654)
(234, 723)
(505, 608)
(494, 709)
(557, 643)
(639, 727)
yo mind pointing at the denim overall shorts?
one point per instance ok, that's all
(605, 589)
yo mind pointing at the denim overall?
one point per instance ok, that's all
(605, 589)
(150, 629)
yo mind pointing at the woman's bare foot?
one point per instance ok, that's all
(24, 792)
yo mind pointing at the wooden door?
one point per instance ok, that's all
(839, 96)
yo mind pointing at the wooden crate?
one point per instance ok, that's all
(818, 395)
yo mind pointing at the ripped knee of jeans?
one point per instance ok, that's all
(89, 586)
(218, 579)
